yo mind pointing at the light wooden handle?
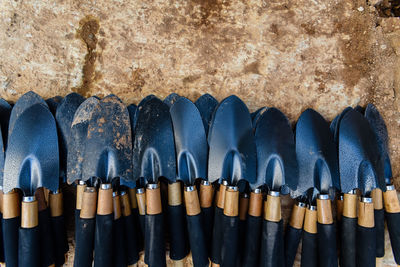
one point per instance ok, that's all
(56, 204)
(366, 214)
(391, 201)
(255, 204)
(89, 203)
(125, 204)
(339, 208)
(310, 221)
(174, 194)
(243, 207)
(350, 205)
(11, 205)
(376, 195)
(206, 195)
(141, 201)
(231, 203)
(297, 216)
(272, 209)
(192, 202)
(153, 201)
(29, 214)
(116, 206)
(105, 201)
(221, 196)
(324, 210)
(132, 197)
(80, 188)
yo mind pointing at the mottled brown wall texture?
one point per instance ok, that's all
(323, 54)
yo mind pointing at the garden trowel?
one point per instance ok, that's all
(232, 158)
(5, 111)
(277, 171)
(31, 163)
(360, 168)
(256, 115)
(108, 153)
(391, 202)
(154, 157)
(191, 158)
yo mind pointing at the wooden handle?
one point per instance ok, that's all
(56, 204)
(89, 203)
(339, 208)
(243, 207)
(255, 204)
(350, 205)
(192, 202)
(29, 214)
(125, 204)
(272, 209)
(221, 196)
(231, 203)
(116, 206)
(80, 188)
(41, 198)
(391, 201)
(366, 214)
(132, 197)
(153, 201)
(376, 195)
(324, 210)
(141, 201)
(174, 194)
(310, 221)
(11, 206)
(206, 195)
(297, 216)
(104, 201)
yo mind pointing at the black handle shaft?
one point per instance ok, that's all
(309, 251)
(230, 241)
(197, 240)
(292, 240)
(217, 236)
(154, 240)
(1, 239)
(179, 244)
(60, 239)
(327, 245)
(10, 239)
(132, 240)
(29, 247)
(393, 222)
(47, 250)
(119, 249)
(348, 242)
(208, 223)
(366, 246)
(272, 244)
(139, 232)
(252, 241)
(84, 245)
(379, 216)
(103, 241)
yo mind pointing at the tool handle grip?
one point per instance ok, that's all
(132, 239)
(366, 246)
(1, 239)
(379, 217)
(154, 240)
(292, 240)
(177, 227)
(252, 241)
(327, 245)
(60, 239)
(47, 250)
(119, 243)
(309, 251)
(10, 239)
(77, 214)
(208, 222)
(197, 240)
(217, 236)
(103, 241)
(29, 247)
(230, 240)
(348, 242)
(272, 244)
(137, 228)
(393, 222)
(84, 242)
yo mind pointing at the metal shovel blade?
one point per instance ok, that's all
(139, 107)
(360, 164)
(32, 153)
(64, 116)
(232, 154)
(206, 104)
(276, 152)
(132, 108)
(108, 149)
(256, 115)
(190, 141)
(78, 132)
(5, 111)
(2, 157)
(153, 147)
(335, 124)
(24, 102)
(316, 155)
(379, 127)
(53, 103)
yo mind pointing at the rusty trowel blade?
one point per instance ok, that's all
(32, 153)
(190, 141)
(379, 127)
(360, 163)
(276, 152)
(154, 148)
(232, 154)
(78, 132)
(316, 154)
(108, 149)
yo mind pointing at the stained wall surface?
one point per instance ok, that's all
(293, 55)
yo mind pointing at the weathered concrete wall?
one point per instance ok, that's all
(289, 54)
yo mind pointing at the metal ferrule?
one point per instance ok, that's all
(340, 197)
(81, 182)
(28, 199)
(90, 189)
(204, 182)
(140, 190)
(301, 204)
(323, 196)
(366, 199)
(233, 188)
(56, 192)
(257, 191)
(152, 186)
(105, 186)
(274, 193)
(245, 195)
(352, 192)
(311, 207)
(123, 193)
(224, 182)
(189, 188)
(390, 187)
(115, 194)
